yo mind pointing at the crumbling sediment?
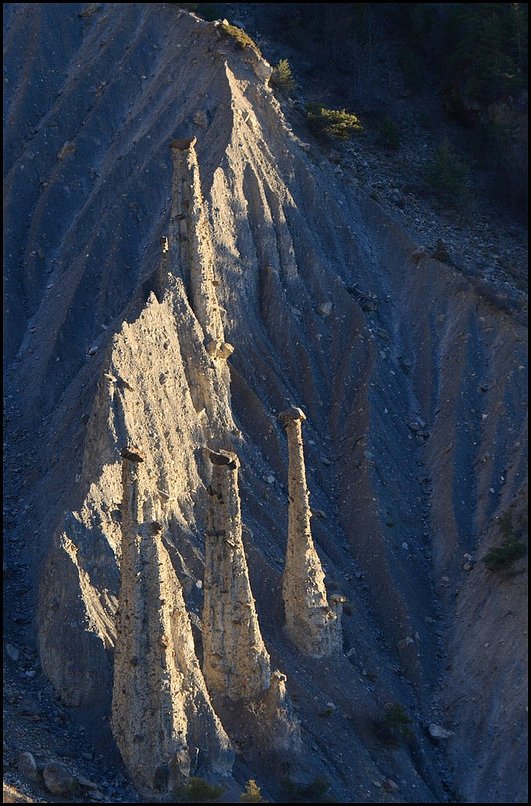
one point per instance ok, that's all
(313, 625)
(236, 663)
(162, 718)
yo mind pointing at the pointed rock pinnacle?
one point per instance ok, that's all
(313, 626)
(236, 663)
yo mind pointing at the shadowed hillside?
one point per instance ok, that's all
(414, 442)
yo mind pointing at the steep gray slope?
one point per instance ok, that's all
(415, 440)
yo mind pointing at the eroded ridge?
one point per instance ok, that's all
(190, 246)
(313, 625)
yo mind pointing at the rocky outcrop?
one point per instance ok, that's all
(162, 718)
(280, 726)
(236, 663)
(313, 626)
(190, 245)
(76, 607)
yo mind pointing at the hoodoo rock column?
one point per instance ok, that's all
(313, 626)
(162, 718)
(236, 663)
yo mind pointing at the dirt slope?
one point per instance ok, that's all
(413, 385)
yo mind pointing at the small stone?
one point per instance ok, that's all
(92, 350)
(201, 119)
(326, 461)
(368, 455)
(405, 546)
(199, 584)
(438, 732)
(29, 708)
(68, 148)
(12, 652)
(225, 350)
(84, 782)
(90, 10)
(58, 779)
(325, 308)
(390, 786)
(270, 479)
(405, 642)
(27, 766)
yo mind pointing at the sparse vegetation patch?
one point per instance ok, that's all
(502, 557)
(242, 39)
(197, 790)
(313, 792)
(447, 175)
(332, 123)
(395, 727)
(282, 77)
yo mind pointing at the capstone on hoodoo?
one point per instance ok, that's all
(312, 624)
(162, 718)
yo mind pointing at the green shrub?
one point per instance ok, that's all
(313, 792)
(242, 39)
(252, 793)
(447, 175)
(395, 725)
(487, 57)
(336, 123)
(197, 790)
(388, 135)
(282, 78)
(502, 557)
(397, 719)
